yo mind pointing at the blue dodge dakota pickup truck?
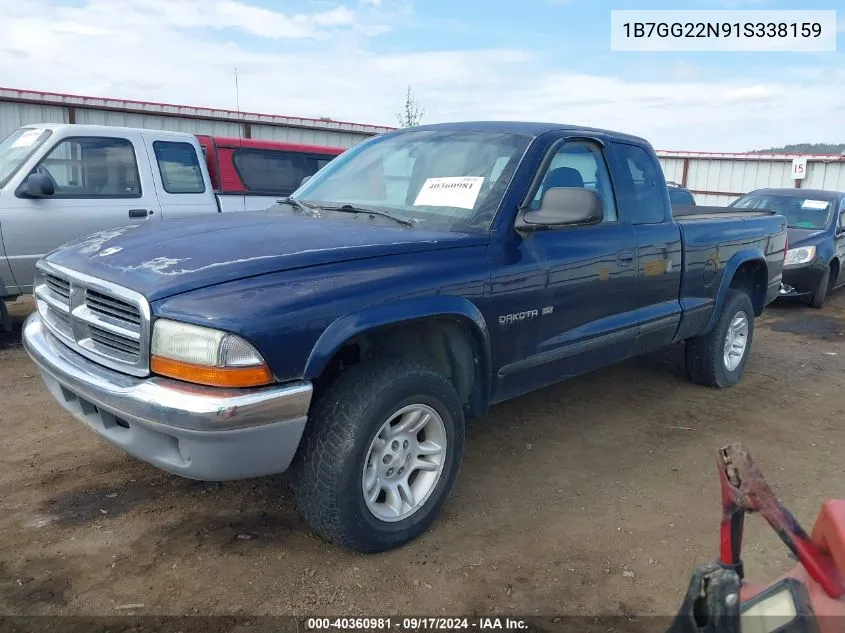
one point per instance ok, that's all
(424, 275)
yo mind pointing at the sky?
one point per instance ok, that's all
(352, 60)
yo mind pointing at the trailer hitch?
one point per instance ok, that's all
(744, 490)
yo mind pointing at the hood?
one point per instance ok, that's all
(174, 256)
(802, 237)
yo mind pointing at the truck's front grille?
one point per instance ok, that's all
(106, 306)
(102, 321)
(113, 343)
(59, 287)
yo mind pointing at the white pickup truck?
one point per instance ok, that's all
(59, 182)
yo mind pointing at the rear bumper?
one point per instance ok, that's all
(189, 430)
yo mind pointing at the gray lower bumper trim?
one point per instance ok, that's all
(197, 432)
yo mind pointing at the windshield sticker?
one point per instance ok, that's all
(27, 138)
(459, 191)
(815, 204)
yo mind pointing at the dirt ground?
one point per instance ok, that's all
(598, 495)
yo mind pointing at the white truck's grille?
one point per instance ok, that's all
(107, 323)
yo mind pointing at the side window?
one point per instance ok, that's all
(92, 167)
(179, 167)
(641, 185)
(580, 164)
(271, 171)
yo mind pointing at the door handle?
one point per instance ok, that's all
(138, 213)
(625, 258)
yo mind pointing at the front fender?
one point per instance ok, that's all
(738, 259)
(351, 325)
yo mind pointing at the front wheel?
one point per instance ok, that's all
(380, 454)
(718, 359)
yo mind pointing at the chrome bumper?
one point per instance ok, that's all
(190, 430)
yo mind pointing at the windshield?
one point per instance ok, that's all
(16, 148)
(800, 212)
(432, 178)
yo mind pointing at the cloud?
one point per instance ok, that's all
(133, 15)
(325, 63)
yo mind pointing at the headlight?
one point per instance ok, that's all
(206, 356)
(800, 255)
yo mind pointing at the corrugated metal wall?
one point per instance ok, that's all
(718, 179)
(330, 138)
(19, 107)
(715, 179)
(14, 115)
(171, 124)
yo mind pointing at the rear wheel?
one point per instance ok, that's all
(718, 359)
(817, 300)
(380, 454)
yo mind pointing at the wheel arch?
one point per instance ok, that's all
(450, 332)
(748, 270)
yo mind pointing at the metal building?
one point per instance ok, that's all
(20, 107)
(718, 179)
(714, 178)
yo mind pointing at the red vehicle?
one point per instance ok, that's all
(810, 598)
(250, 174)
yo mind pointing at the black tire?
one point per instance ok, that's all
(344, 420)
(705, 354)
(817, 300)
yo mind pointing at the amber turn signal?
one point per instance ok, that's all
(255, 376)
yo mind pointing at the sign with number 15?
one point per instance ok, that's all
(799, 168)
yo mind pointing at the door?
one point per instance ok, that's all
(585, 312)
(180, 175)
(642, 193)
(97, 186)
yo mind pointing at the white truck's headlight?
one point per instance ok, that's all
(800, 255)
(206, 356)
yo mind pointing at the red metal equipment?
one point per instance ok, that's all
(745, 490)
(810, 598)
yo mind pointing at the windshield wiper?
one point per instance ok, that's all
(296, 204)
(348, 208)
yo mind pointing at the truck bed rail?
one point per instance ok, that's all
(695, 212)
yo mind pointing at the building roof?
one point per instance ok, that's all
(152, 107)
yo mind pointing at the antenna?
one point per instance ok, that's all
(238, 104)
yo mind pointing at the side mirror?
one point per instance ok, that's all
(37, 186)
(563, 206)
(304, 180)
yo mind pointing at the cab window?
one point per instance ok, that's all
(642, 189)
(579, 164)
(92, 167)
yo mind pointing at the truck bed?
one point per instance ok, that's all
(714, 239)
(684, 213)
